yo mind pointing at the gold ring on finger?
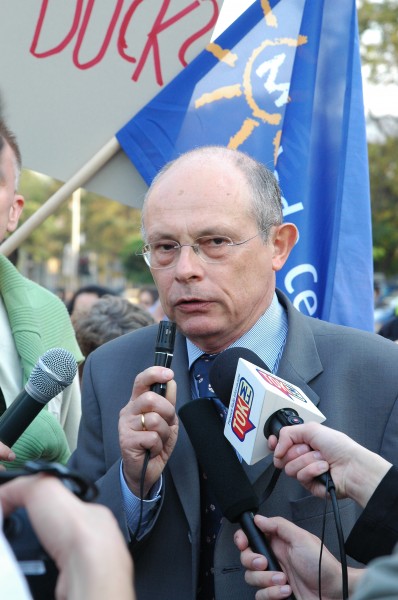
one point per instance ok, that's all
(143, 422)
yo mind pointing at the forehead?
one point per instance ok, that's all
(199, 195)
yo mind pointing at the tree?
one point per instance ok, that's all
(106, 226)
(379, 50)
(47, 240)
(135, 267)
(379, 39)
(383, 169)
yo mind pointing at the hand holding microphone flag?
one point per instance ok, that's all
(254, 396)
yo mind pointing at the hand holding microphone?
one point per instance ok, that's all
(260, 404)
(307, 450)
(148, 424)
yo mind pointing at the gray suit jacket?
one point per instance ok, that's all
(351, 375)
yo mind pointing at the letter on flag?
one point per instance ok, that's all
(283, 84)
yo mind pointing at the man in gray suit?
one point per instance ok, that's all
(212, 222)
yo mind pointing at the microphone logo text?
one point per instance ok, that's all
(241, 423)
(283, 386)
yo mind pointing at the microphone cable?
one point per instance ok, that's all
(330, 487)
(142, 482)
(164, 349)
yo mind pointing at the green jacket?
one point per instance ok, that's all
(39, 321)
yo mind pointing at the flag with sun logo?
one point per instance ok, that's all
(283, 84)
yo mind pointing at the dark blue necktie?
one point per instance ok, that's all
(210, 513)
(201, 368)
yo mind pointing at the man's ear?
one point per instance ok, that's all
(284, 238)
(15, 212)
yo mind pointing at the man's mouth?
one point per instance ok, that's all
(191, 303)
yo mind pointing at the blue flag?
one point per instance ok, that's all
(283, 84)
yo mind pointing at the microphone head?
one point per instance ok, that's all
(53, 372)
(223, 370)
(166, 337)
(226, 476)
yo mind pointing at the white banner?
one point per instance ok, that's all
(74, 72)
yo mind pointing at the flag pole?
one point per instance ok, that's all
(50, 206)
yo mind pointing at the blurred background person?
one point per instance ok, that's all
(390, 329)
(108, 318)
(83, 299)
(157, 311)
(147, 297)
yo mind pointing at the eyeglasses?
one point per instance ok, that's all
(210, 248)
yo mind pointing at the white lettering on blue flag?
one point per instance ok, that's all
(283, 84)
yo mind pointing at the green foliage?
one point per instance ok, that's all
(105, 225)
(379, 49)
(135, 267)
(383, 169)
(49, 239)
(379, 38)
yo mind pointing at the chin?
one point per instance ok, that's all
(197, 327)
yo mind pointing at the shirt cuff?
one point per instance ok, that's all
(132, 505)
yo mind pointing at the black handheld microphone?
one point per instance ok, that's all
(234, 493)
(222, 375)
(223, 370)
(164, 349)
(54, 371)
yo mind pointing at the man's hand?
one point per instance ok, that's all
(148, 422)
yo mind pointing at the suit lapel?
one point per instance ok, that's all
(300, 364)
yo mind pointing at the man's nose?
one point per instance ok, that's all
(189, 263)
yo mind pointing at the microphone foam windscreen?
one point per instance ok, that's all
(218, 459)
(223, 370)
(54, 371)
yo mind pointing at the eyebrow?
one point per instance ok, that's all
(205, 232)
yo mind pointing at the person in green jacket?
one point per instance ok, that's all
(32, 320)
